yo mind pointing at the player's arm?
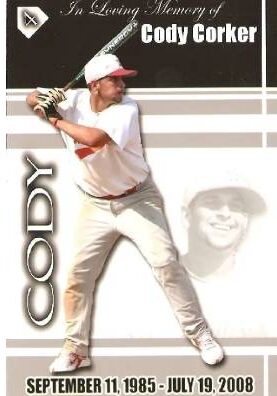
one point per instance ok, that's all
(93, 137)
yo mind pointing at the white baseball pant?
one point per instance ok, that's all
(140, 217)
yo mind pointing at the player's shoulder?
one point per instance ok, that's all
(74, 98)
(129, 103)
(77, 95)
(127, 100)
(126, 106)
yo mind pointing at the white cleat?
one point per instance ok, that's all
(210, 351)
(68, 361)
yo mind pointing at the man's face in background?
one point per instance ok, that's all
(218, 218)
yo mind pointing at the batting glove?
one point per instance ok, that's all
(53, 96)
(48, 110)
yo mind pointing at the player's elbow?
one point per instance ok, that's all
(98, 138)
(28, 100)
(31, 98)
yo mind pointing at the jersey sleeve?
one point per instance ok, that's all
(67, 105)
(120, 122)
(65, 109)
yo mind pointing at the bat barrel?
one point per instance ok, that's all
(120, 39)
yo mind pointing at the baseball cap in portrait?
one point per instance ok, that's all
(254, 202)
(106, 65)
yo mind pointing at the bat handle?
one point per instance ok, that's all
(71, 83)
(68, 86)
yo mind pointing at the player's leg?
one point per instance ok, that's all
(152, 237)
(94, 239)
(145, 224)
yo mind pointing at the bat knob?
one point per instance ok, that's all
(135, 24)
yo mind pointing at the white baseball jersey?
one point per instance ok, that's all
(117, 166)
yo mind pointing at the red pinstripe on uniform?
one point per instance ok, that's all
(85, 151)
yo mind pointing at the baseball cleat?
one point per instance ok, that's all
(210, 351)
(68, 361)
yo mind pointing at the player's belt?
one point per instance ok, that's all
(125, 194)
(109, 197)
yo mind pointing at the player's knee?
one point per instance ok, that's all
(161, 255)
(168, 274)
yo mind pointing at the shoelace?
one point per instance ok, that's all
(207, 341)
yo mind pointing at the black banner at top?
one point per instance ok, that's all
(180, 43)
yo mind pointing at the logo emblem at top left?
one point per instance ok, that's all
(30, 20)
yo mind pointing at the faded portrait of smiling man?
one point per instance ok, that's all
(218, 211)
(218, 219)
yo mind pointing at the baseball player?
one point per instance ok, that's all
(100, 127)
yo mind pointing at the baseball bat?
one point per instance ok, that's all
(109, 48)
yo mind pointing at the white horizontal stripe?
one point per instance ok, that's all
(28, 124)
(209, 97)
(162, 90)
(208, 123)
(158, 351)
(196, 90)
(166, 124)
(16, 98)
(165, 97)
